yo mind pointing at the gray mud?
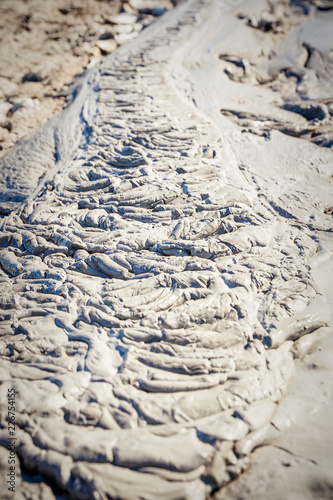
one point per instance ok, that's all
(164, 280)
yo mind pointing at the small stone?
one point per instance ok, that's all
(158, 11)
(123, 18)
(123, 28)
(22, 102)
(31, 76)
(156, 8)
(106, 35)
(107, 46)
(15, 107)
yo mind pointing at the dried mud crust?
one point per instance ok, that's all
(154, 291)
(44, 45)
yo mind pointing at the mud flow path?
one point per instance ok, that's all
(165, 266)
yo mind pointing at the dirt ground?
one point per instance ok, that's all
(45, 44)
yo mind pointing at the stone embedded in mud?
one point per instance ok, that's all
(106, 46)
(31, 76)
(123, 18)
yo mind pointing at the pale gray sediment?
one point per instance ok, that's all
(157, 284)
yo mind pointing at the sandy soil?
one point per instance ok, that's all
(45, 45)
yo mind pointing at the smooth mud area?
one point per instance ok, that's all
(166, 267)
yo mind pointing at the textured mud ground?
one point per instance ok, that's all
(163, 280)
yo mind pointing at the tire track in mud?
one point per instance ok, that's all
(150, 301)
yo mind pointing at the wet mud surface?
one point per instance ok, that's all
(162, 281)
